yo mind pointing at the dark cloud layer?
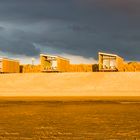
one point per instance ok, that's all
(78, 27)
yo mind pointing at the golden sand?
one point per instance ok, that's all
(71, 84)
(69, 120)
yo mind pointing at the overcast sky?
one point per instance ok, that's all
(73, 28)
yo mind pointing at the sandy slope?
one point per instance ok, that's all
(74, 84)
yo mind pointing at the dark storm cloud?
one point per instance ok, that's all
(16, 44)
(78, 27)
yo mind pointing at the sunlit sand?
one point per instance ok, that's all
(70, 106)
(71, 84)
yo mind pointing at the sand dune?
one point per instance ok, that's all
(70, 84)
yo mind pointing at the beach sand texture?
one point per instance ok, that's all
(71, 84)
(94, 119)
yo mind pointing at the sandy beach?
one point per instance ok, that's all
(49, 115)
(98, 119)
(70, 84)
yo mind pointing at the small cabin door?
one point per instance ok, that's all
(54, 64)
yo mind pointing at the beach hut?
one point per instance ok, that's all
(51, 63)
(110, 62)
(9, 65)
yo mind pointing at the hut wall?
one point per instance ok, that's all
(9, 66)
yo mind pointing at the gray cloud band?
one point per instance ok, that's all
(76, 27)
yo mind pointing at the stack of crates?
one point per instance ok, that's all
(132, 67)
(29, 68)
(81, 68)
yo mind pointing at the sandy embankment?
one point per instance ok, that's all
(70, 84)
